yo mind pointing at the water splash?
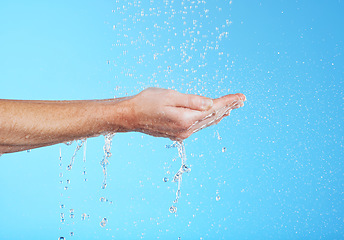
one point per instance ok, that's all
(78, 146)
(183, 169)
(107, 154)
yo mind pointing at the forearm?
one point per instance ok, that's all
(31, 124)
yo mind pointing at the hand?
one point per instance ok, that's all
(168, 113)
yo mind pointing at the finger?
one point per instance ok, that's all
(226, 103)
(193, 102)
(221, 108)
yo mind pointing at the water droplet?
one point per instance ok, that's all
(62, 220)
(218, 198)
(72, 234)
(84, 172)
(71, 210)
(62, 215)
(185, 168)
(103, 222)
(72, 215)
(173, 209)
(61, 238)
(178, 194)
(69, 167)
(173, 145)
(28, 150)
(61, 206)
(65, 188)
(165, 179)
(223, 149)
(69, 143)
(104, 185)
(103, 199)
(68, 181)
(177, 177)
(83, 216)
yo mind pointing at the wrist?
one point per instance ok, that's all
(117, 115)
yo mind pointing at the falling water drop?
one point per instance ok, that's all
(165, 179)
(185, 168)
(223, 149)
(84, 216)
(61, 238)
(218, 198)
(173, 209)
(103, 222)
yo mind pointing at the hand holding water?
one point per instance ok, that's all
(168, 113)
(157, 112)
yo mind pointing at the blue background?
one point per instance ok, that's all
(281, 176)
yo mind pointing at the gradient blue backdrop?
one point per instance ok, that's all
(281, 176)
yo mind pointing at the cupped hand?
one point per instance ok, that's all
(168, 113)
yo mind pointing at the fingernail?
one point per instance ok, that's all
(207, 103)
